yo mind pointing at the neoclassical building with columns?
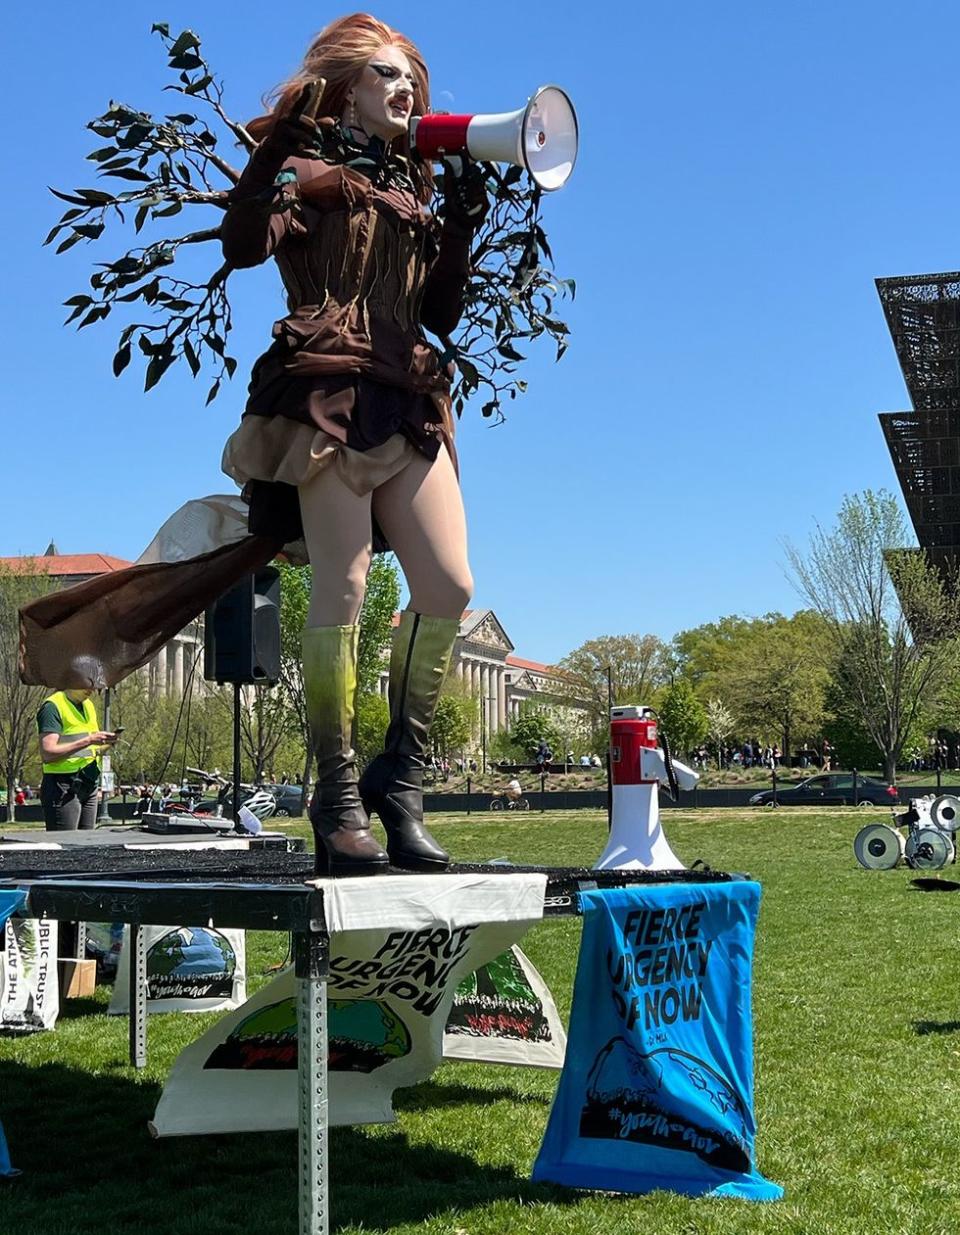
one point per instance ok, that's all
(483, 656)
(483, 661)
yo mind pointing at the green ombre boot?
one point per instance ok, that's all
(344, 844)
(392, 786)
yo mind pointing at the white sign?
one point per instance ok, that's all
(399, 947)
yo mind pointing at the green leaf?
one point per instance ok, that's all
(68, 197)
(230, 365)
(192, 359)
(173, 208)
(196, 87)
(121, 360)
(182, 118)
(70, 241)
(214, 342)
(98, 156)
(186, 61)
(53, 232)
(95, 196)
(185, 41)
(214, 391)
(141, 217)
(90, 231)
(98, 312)
(146, 346)
(130, 173)
(81, 300)
(508, 352)
(160, 362)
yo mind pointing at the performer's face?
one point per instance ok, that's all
(383, 95)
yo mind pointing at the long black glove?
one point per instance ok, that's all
(292, 134)
(465, 201)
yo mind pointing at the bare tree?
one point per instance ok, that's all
(18, 703)
(890, 615)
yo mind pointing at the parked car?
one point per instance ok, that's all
(288, 801)
(831, 789)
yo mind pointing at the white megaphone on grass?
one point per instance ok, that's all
(542, 137)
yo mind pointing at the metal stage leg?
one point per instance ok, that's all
(138, 998)
(310, 957)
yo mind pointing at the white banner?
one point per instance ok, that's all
(29, 982)
(189, 969)
(504, 1013)
(399, 947)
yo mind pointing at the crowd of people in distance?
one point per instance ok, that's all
(751, 754)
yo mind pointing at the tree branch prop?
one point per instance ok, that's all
(510, 296)
(172, 162)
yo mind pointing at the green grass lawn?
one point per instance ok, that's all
(857, 1031)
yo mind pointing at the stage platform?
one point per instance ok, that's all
(109, 877)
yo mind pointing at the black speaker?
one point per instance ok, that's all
(241, 640)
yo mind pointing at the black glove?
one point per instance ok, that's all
(465, 202)
(291, 135)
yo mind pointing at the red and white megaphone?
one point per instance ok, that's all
(542, 137)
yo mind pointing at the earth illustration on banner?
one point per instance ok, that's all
(190, 962)
(364, 1034)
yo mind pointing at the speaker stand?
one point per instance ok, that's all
(236, 753)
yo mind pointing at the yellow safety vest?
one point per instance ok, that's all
(77, 719)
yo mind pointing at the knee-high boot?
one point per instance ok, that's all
(341, 828)
(392, 785)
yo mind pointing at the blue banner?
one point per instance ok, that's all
(657, 1088)
(10, 902)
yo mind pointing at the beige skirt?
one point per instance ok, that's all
(275, 448)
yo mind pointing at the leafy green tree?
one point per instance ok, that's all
(720, 726)
(637, 669)
(682, 716)
(294, 603)
(380, 602)
(532, 726)
(890, 615)
(775, 672)
(453, 723)
(19, 703)
(701, 654)
(370, 727)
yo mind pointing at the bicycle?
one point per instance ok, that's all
(501, 801)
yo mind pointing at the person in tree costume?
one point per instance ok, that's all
(350, 408)
(347, 436)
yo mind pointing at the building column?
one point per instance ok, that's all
(502, 698)
(494, 699)
(177, 668)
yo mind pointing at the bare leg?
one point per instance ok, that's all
(336, 526)
(421, 513)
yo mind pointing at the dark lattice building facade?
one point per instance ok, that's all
(923, 313)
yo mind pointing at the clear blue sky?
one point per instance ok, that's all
(747, 169)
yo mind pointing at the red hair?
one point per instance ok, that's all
(339, 54)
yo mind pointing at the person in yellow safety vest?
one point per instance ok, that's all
(71, 742)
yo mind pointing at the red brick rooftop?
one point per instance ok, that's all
(65, 564)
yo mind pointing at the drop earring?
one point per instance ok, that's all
(354, 115)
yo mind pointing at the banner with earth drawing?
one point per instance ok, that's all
(399, 948)
(504, 1013)
(189, 969)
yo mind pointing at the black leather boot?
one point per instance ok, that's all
(392, 786)
(341, 827)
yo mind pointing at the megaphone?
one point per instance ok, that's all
(542, 137)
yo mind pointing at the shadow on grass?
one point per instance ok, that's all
(925, 1027)
(429, 1096)
(90, 1166)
